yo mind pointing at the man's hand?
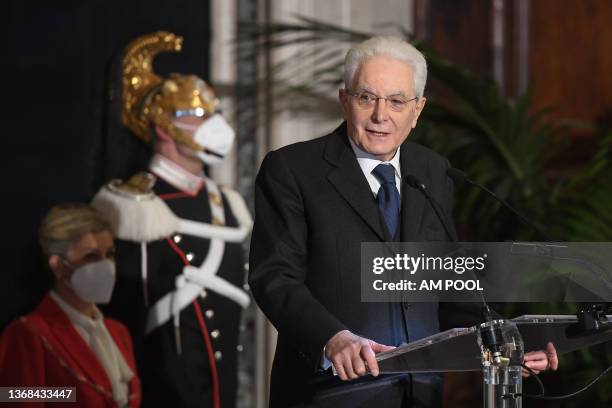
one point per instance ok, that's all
(541, 360)
(349, 354)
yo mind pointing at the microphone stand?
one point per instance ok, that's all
(591, 317)
(499, 340)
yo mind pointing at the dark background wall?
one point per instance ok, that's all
(567, 58)
(59, 67)
(570, 58)
(560, 50)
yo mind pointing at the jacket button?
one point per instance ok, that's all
(218, 355)
(215, 334)
(216, 199)
(209, 314)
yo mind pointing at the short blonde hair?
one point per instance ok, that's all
(66, 223)
(393, 47)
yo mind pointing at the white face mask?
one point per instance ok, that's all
(94, 282)
(215, 135)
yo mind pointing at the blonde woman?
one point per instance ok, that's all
(66, 341)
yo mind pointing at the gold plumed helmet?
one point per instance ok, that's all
(149, 100)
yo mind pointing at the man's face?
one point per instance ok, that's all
(189, 125)
(379, 130)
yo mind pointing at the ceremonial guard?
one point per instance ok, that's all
(180, 265)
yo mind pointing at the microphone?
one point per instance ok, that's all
(459, 178)
(591, 317)
(414, 182)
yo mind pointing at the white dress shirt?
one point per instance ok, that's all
(97, 337)
(368, 163)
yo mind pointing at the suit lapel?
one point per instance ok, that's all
(348, 179)
(413, 202)
(69, 343)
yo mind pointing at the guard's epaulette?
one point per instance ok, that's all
(134, 211)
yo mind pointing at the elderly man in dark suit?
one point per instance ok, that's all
(316, 202)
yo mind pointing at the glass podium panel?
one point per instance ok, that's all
(457, 349)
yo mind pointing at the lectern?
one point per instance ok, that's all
(462, 349)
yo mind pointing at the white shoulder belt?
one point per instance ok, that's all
(151, 219)
(190, 283)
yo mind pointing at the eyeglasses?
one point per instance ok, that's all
(367, 100)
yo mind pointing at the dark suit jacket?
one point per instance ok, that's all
(314, 208)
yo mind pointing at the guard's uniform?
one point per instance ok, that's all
(180, 265)
(176, 368)
(182, 358)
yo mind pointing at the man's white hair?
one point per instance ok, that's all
(388, 46)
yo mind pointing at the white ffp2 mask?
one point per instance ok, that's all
(215, 135)
(94, 282)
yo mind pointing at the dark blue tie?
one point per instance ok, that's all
(388, 197)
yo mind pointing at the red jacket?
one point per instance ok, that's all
(44, 349)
